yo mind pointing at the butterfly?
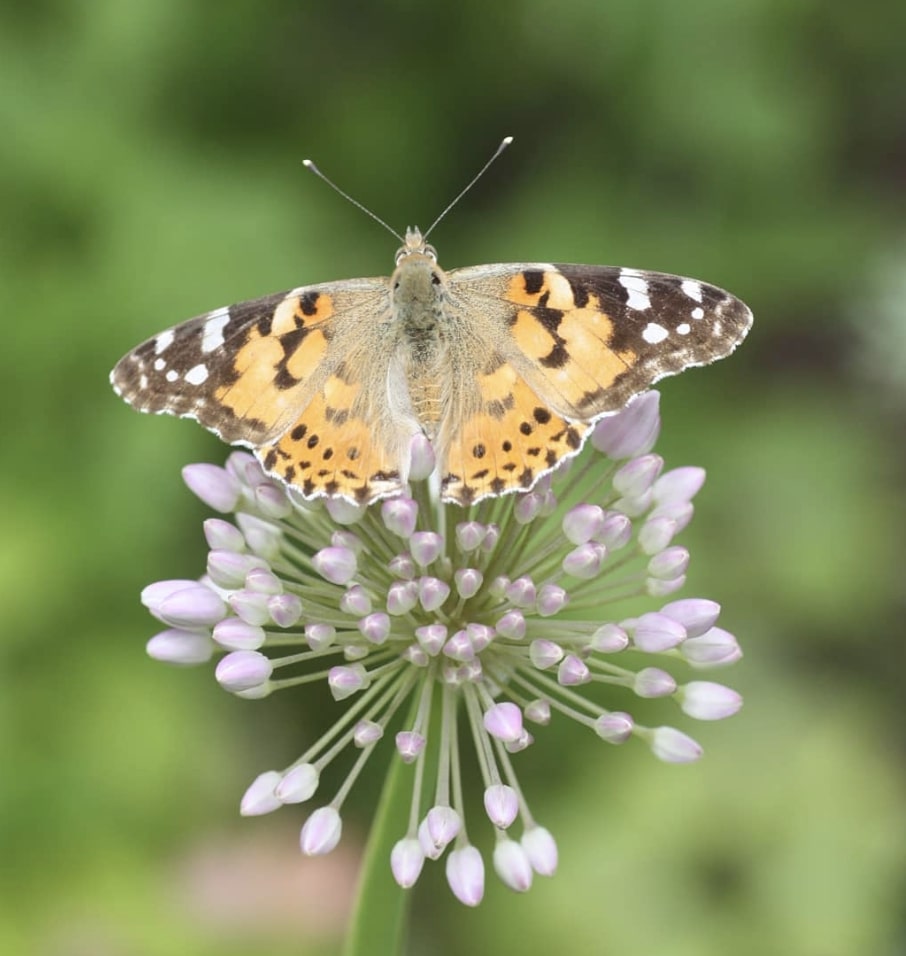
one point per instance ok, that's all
(503, 368)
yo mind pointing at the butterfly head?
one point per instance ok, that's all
(415, 245)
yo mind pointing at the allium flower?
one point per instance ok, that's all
(433, 622)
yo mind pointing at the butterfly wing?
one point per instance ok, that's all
(292, 375)
(564, 345)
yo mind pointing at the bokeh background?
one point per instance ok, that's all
(150, 169)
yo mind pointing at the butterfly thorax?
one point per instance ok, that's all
(418, 293)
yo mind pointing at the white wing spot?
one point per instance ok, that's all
(196, 375)
(637, 288)
(143, 381)
(159, 365)
(654, 333)
(717, 328)
(172, 375)
(698, 313)
(683, 328)
(692, 289)
(163, 341)
(212, 337)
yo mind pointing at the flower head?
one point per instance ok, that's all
(431, 622)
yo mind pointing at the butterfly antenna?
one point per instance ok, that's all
(506, 142)
(308, 164)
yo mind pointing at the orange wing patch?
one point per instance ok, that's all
(567, 339)
(509, 443)
(332, 451)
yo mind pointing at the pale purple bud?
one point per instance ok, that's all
(284, 609)
(425, 547)
(715, 648)
(272, 501)
(491, 536)
(262, 538)
(538, 711)
(616, 531)
(527, 507)
(432, 592)
(572, 671)
(659, 589)
(259, 692)
(344, 680)
(236, 635)
(263, 581)
(375, 628)
(679, 485)
(541, 849)
(227, 569)
(544, 653)
(367, 732)
(298, 784)
(525, 739)
(654, 633)
(215, 486)
(402, 596)
(243, 670)
(582, 523)
(631, 431)
(402, 566)
(321, 832)
(497, 587)
(320, 636)
(238, 462)
(680, 514)
(409, 744)
(634, 507)
(551, 599)
(399, 516)
(503, 721)
(609, 639)
(615, 728)
(673, 746)
(184, 604)
(439, 828)
(521, 592)
(416, 656)
(251, 607)
(355, 652)
(459, 647)
(585, 561)
(223, 536)
(469, 535)
(356, 601)
(501, 804)
(465, 874)
(180, 647)
(345, 512)
(337, 565)
(656, 534)
(705, 700)
(696, 615)
(480, 636)
(512, 865)
(348, 539)
(422, 459)
(431, 637)
(468, 582)
(653, 682)
(470, 671)
(260, 798)
(406, 861)
(637, 476)
(511, 625)
(669, 564)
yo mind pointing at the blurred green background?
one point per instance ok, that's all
(150, 169)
